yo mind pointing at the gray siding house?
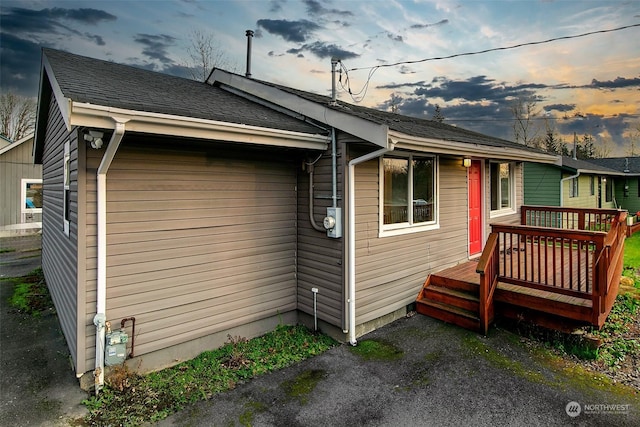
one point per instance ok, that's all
(20, 188)
(225, 207)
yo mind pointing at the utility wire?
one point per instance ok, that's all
(373, 69)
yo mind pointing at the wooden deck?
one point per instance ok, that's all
(559, 278)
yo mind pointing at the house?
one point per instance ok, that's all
(627, 184)
(574, 183)
(20, 188)
(195, 211)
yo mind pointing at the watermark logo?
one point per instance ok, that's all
(573, 409)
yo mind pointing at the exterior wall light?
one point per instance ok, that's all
(466, 162)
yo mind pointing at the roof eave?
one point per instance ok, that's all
(440, 146)
(104, 117)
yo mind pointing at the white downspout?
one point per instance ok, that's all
(562, 181)
(351, 230)
(101, 297)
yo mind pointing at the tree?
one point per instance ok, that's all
(551, 143)
(205, 53)
(604, 149)
(524, 113)
(634, 142)
(394, 102)
(437, 114)
(17, 116)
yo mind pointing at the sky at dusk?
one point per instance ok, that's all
(587, 84)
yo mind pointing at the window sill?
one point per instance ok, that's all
(503, 212)
(408, 230)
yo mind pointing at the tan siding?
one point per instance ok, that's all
(197, 243)
(15, 165)
(59, 251)
(319, 263)
(584, 199)
(390, 270)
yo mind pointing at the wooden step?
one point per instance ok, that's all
(453, 297)
(448, 313)
(446, 282)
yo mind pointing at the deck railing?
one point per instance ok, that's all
(572, 252)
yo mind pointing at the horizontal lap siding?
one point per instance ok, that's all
(541, 184)
(15, 165)
(390, 270)
(59, 251)
(197, 242)
(319, 256)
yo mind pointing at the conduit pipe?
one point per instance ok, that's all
(101, 298)
(312, 219)
(351, 231)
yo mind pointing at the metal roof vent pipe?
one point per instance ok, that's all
(334, 62)
(249, 34)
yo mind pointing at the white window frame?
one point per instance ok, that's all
(23, 195)
(66, 184)
(573, 188)
(512, 190)
(397, 229)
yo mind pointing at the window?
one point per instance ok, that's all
(66, 173)
(608, 190)
(573, 187)
(409, 192)
(592, 185)
(502, 189)
(31, 195)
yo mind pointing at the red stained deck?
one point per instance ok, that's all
(557, 277)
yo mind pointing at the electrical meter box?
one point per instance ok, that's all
(333, 222)
(115, 352)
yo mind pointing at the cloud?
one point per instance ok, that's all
(563, 108)
(619, 82)
(315, 8)
(96, 38)
(156, 46)
(395, 37)
(324, 50)
(423, 26)
(293, 31)
(276, 5)
(20, 65)
(47, 21)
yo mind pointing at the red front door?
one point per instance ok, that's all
(475, 207)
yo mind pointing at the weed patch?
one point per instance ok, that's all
(301, 386)
(133, 399)
(377, 350)
(31, 295)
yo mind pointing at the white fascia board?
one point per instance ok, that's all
(63, 103)
(437, 146)
(91, 115)
(13, 145)
(364, 129)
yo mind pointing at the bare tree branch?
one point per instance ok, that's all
(205, 53)
(17, 115)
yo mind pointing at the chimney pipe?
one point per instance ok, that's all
(334, 62)
(249, 34)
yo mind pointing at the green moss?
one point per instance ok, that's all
(6, 250)
(302, 385)
(476, 347)
(251, 408)
(31, 295)
(379, 350)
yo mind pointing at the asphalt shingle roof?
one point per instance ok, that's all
(590, 165)
(620, 164)
(413, 126)
(94, 81)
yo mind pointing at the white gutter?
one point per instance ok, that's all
(98, 116)
(101, 298)
(562, 181)
(351, 230)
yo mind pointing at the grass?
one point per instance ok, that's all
(132, 399)
(379, 350)
(632, 251)
(30, 294)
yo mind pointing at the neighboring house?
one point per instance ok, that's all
(574, 183)
(199, 208)
(20, 188)
(627, 183)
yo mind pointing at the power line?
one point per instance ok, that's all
(373, 69)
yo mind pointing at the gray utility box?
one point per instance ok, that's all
(115, 352)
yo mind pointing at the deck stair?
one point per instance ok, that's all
(452, 300)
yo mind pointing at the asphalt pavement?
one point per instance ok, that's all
(445, 376)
